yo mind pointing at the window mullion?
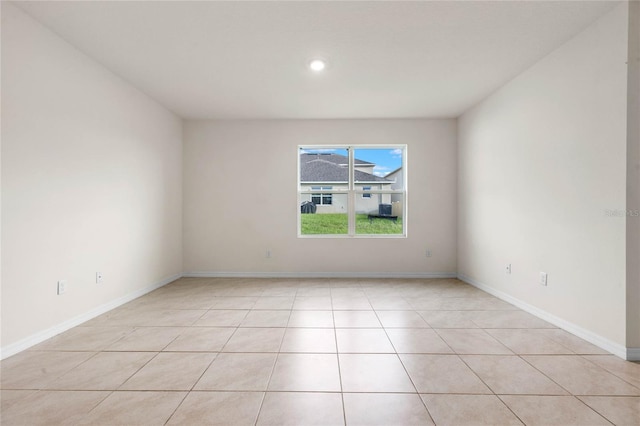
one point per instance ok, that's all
(351, 203)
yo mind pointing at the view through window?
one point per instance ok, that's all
(352, 190)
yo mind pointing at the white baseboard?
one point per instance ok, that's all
(43, 335)
(589, 336)
(633, 354)
(218, 274)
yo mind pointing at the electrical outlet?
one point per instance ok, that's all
(427, 253)
(99, 278)
(268, 254)
(543, 278)
(508, 269)
(62, 287)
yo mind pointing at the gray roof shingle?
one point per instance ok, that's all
(332, 168)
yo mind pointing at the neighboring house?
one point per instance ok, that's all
(328, 171)
(397, 176)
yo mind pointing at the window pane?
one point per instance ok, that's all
(380, 214)
(323, 167)
(372, 179)
(330, 216)
(380, 165)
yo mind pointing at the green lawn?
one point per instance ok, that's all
(336, 223)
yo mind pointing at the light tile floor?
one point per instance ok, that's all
(318, 351)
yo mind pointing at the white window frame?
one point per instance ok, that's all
(353, 192)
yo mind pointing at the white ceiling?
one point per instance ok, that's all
(249, 59)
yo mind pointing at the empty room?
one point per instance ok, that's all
(320, 213)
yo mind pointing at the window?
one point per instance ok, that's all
(322, 199)
(352, 191)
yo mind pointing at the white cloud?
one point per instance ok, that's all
(380, 171)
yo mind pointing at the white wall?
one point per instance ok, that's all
(240, 198)
(633, 181)
(91, 181)
(541, 160)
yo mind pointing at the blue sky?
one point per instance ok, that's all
(386, 160)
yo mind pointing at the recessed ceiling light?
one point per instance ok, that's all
(317, 65)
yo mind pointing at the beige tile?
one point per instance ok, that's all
(401, 319)
(552, 410)
(626, 370)
(350, 290)
(319, 319)
(315, 340)
(462, 291)
(155, 318)
(373, 373)
(508, 319)
(201, 339)
(300, 408)
(52, 408)
(306, 372)
(474, 304)
(239, 302)
(511, 375)
(9, 398)
(416, 340)
(390, 304)
(222, 318)
(314, 292)
(572, 342)
(368, 409)
(218, 408)
(105, 371)
(345, 283)
(279, 292)
(581, 377)
(244, 290)
(135, 408)
(312, 303)
(363, 340)
(528, 342)
(176, 301)
(356, 319)
(274, 303)
(84, 339)
(271, 318)
(442, 374)
(351, 303)
(619, 410)
(469, 410)
(448, 319)
(470, 341)
(143, 339)
(238, 372)
(429, 303)
(35, 370)
(170, 371)
(255, 340)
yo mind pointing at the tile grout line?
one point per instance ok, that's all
(335, 337)
(404, 367)
(275, 362)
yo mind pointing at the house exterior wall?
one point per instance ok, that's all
(339, 201)
(398, 177)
